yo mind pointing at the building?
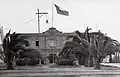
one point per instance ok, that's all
(48, 42)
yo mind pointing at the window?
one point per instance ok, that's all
(37, 43)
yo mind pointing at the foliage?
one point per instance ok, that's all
(11, 44)
(75, 48)
(30, 53)
(27, 61)
(101, 46)
(2, 56)
(29, 56)
(92, 46)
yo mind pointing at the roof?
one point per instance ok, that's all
(53, 31)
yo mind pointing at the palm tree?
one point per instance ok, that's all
(75, 49)
(101, 46)
(12, 43)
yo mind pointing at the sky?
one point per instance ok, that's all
(20, 17)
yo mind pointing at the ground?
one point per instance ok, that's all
(61, 71)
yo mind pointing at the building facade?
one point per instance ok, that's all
(48, 42)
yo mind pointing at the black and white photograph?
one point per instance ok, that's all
(59, 38)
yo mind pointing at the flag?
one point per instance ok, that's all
(61, 11)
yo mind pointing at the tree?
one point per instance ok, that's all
(76, 46)
(101, 46)
(11, 44)
(85, 43)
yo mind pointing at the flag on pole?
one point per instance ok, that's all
(61, 11)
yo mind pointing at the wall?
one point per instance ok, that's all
(50, 41)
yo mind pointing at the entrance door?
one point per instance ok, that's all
(52, 58)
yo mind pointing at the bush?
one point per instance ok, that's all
(65, 62)
(28, 61)
(29, 57)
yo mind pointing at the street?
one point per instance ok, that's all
(61, 71)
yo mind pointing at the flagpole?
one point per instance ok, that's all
(52, 12)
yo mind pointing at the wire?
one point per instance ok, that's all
(29, 21)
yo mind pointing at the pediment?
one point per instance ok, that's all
(52, 31)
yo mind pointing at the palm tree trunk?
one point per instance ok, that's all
(97, 63)
(10, 66)
(90, 62)
(86, 61)
(9, 60)
(110, 59)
